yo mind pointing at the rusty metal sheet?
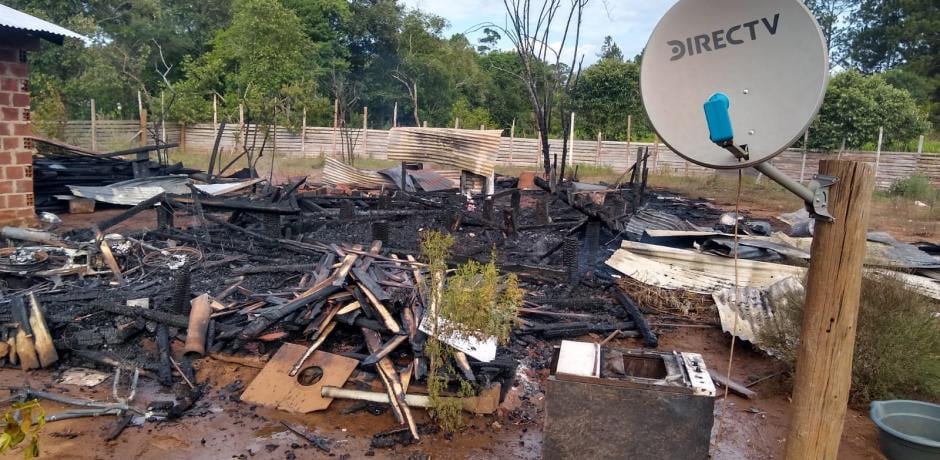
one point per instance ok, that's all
(274, 388)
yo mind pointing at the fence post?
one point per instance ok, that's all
(512, 137)
(656, 153)
(162, 120)
(183, 137)
(424, 124)
(242, 129)
(456, 122)
(215, 112)
(629, 132)
(142, 113)
(94, 127)
(920, 141)
(881, 131)
(335, 122)
(482, 127)
(597, 159)
(803, 162)
(365, 130)
(571, 142)
(395, 116)
(303, 134)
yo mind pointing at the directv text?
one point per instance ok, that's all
(722, 38)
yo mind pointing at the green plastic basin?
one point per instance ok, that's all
(910, 430)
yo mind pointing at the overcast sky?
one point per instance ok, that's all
(629, 22)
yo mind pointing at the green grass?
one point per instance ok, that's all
(897, 346)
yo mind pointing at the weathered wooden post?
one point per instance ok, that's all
(335, 123)
(571, 142)
(365, 130)
(94, 127)
(824, 363)
(303, 134)
(803, 162)
(512, 138)
(142, 115)
(881, 132)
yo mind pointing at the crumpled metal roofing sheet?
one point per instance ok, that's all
(336, 172)
(747, 314)
(465, 149)
(673, 268)
(19, 20)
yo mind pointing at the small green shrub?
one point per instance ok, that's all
(476, 302)
(897, 345)
(914, 188)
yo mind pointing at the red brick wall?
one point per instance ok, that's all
(16, 151)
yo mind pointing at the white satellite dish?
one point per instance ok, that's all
(767, 56)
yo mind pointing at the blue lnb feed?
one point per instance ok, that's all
(718, 119)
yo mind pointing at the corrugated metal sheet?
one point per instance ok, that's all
(131, 192)
(746, 315)
(648, 219)
(336, 172)
(466, 149)
(672, 268)
(20, 20)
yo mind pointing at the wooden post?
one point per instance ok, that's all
(162, 120)
(395, 116)
(183, 137)
(456, 122)
(365, 130)
(920, 141)
(805, 147)
(94, 127)
(597, 159)
(303, 134)
(142, 116)
(482, 127)
(881, 132)
(425, 124)
(824, 363)
(656, 153)
(215, 112)
(242, 129)
(629, 134)
(512, 138)
(335, 125)
(571, 142)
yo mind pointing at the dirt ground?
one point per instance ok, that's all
(225, 428)
(222, 427)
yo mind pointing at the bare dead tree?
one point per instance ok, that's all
(347, 95)
(411, 85)
(531, 24)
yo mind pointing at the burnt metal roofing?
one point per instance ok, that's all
(15, 19)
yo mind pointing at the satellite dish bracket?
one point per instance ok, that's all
(815, 196)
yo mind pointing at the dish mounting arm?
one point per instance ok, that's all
(815, 195)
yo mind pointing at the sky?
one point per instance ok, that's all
(629, 22)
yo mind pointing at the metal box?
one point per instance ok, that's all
(608, 403)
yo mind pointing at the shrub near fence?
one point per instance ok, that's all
(519, 152)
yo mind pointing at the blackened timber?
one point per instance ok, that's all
(649, 337)
(272, 315)
(142, 206)
(239, 204)
(146, 148)
(385, 349)
(302, 268)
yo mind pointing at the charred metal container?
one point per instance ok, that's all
(609, 403)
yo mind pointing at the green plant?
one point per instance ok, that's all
(897, 345)
(474, 302)
(914, 188)
(16, 431)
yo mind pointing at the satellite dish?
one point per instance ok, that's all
(767, 56)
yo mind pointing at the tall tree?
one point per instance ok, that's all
(831, 16)
(542, 32)
(608, 91)
(610, 50)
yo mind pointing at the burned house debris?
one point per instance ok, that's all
(325, 290)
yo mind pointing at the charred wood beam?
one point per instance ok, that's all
(238, 204)
(631, 308)
(136, 209)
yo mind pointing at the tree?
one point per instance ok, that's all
(608, 91)
(888, 33)
(856, 105)
(532, 29)
(470, 117)
(489, 40)
(830, 16)
(610, 50)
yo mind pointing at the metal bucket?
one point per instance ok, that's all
(910, 430)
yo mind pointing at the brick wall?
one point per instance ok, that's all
(16, 151)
